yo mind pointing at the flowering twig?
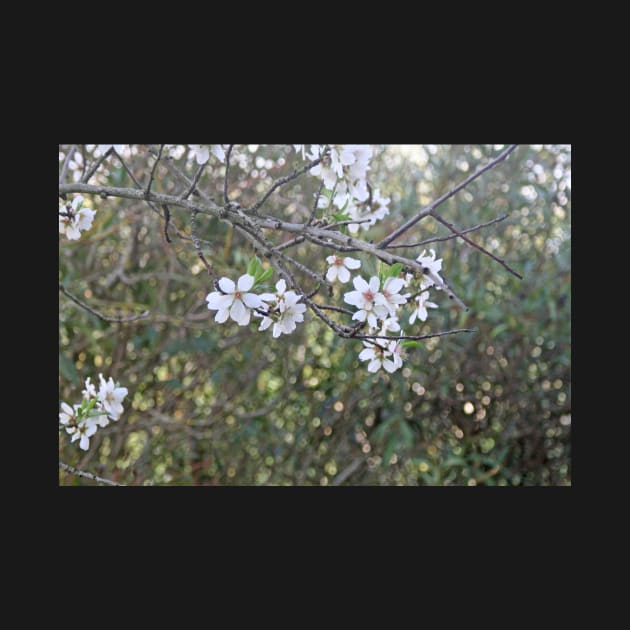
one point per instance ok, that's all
(105, 318)
(80, 473)
(429, 209)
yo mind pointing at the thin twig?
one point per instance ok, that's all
(405, 226)
(348, 471)
(86, 176)
(159, 157)
(502, 262)
(338, 309)
(105, 318)
(80, 473)
(197, 246)
(167, 220)
(195, 181)
(66, 162)
(450, 237)
(314, 210)
(227, 170)
(416, 337)
(284, 180)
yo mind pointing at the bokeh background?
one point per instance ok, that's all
(217, 404)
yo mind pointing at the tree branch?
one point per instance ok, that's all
(428, 210)
(437, 239)
(80, 473)
(105, 318)
(450, 226)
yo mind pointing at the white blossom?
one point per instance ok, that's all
(339, 267)
(434, 266)
(286, 310)
(75, 219)
(278, 296)
(379, 355)
(84, 431)
(68, 415)
(326, 174)
(235, 301)
(90, 389)
(111, 397)
(218, 151)
(390, 296)
(420, 310)
(201, 152)
(364, 298)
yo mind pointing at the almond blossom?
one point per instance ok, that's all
(365, 299)
(234, 301)
(433, 266)
(339, 267)
(420, 311)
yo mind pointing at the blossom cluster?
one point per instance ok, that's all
(343, 170)
(96, 410)
(378, 303)
(74, 218)
(236, 301)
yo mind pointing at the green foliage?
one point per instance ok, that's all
(217, 404)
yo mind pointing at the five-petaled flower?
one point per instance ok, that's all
(84, 431)
(110, 398)
(420, 311)
(235, 301)
(379, 354)
(390, 296)
(433, 266)
(74, 219)
(338, 269)
(366, 299)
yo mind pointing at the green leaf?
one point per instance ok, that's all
(254, 266)
(394, 270)
(263, 276)
(410, 343)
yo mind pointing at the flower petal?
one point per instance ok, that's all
(239, 313)
(218, 301)
(366, 353)
(281, 286)
(226, 285)
(331, 274)
(351, 263)
(361, 285)
(342, 273)
(374, 365)
(245, 282)
(252, 300)
(222, 315)
(394, 285)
